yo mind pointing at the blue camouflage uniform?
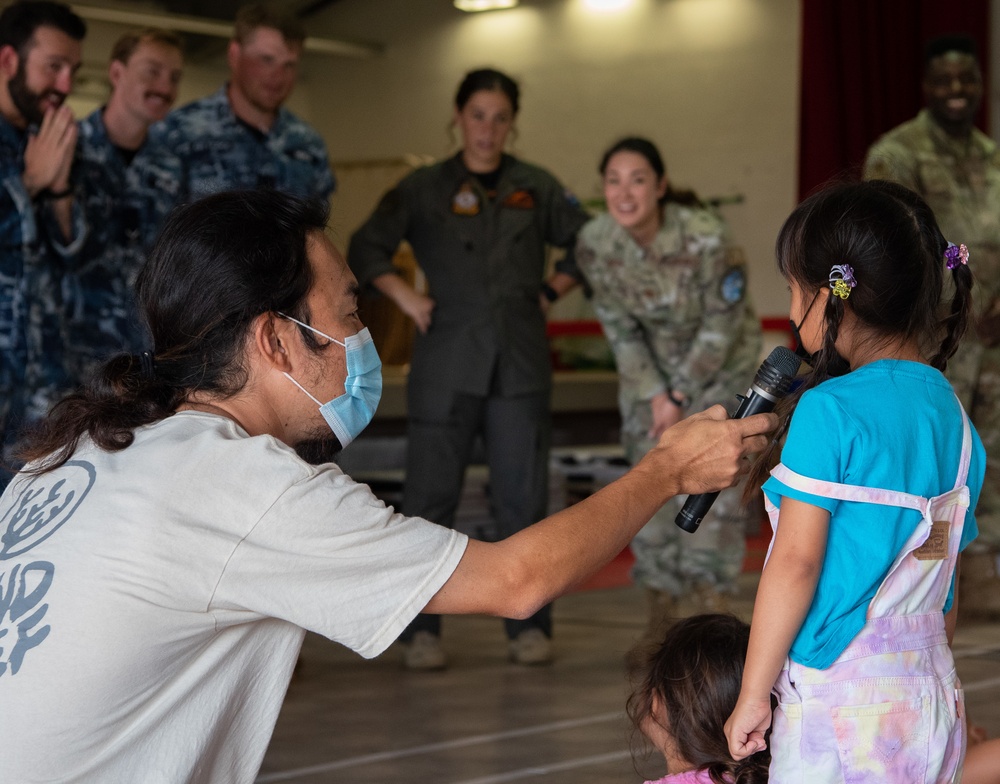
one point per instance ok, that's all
(32, 261)
(221, 152)
(125, 204)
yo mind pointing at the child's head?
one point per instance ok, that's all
(888, 237)
(685, 686)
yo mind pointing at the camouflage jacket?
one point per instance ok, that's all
(33, 257)
(125, 204)
(676, 313)
(959, 180)
(221, 152)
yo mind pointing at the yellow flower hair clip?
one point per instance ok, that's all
(842, 280)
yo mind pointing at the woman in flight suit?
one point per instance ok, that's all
(479, 223)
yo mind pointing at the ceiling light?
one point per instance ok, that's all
(484, 5)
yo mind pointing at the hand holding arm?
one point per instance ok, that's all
(783, 598)
(417, 306)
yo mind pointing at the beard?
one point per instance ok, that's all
(26, 100)
(319, 447)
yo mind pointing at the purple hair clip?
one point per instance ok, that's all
(955, 255)
(842, 280)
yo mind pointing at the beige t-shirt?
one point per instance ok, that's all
(154, 600)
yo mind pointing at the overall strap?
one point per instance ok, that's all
(966, 459)
(876, 495)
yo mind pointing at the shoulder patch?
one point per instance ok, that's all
(733, 286)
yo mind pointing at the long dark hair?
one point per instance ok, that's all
(889, 236)
(649, 151)
(218, 264)
(696, 669)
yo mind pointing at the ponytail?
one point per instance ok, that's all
(956, 322)
(218, 265)
(119, 398)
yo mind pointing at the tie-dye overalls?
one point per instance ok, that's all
(890, 709)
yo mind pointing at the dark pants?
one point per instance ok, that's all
(516, 432)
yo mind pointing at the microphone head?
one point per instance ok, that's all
(777, 372)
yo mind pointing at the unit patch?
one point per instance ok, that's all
(520, 200)
(734, 285)
(465, 201)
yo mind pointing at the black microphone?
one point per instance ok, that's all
(771, 383)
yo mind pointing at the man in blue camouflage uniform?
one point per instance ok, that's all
(128, 184)
(39, 224)
(241, 136)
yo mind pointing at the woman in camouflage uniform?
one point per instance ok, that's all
(670, 292)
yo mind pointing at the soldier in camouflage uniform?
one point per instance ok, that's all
(39, 222)
(127, 184)
(670, 293)
(241, 136)
(956, 169)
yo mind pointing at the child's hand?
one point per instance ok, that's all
(745, 728)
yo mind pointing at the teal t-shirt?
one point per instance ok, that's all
(890, 424)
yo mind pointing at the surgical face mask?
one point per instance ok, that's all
(350, 413)
(800, 350)
(838, 366)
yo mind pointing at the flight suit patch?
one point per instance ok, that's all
(520, 200)
(465, 201)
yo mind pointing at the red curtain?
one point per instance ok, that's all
(862, 65)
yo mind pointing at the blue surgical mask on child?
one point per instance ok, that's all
(350, 413)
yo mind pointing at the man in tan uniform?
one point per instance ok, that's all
(956, 168)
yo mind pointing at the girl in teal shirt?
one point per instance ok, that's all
(872, 502)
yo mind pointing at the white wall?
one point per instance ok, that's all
(713, 82)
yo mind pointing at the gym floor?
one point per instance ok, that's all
(484, 720)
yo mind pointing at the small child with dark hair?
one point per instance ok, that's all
(872, 502)
(686, 684)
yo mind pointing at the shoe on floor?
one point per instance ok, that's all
(531, 647)
(424, 652)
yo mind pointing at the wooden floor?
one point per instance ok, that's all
(486, 721)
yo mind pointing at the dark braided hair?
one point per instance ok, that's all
(889, 236)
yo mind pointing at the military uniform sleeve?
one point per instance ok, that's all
(17, 217)
(373, 246)
(723, 295)
(565, 218)
(638, 371)
(67, 250)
